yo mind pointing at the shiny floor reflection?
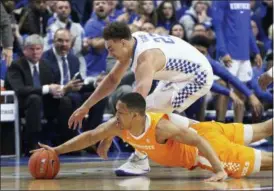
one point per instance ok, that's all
(98, 175)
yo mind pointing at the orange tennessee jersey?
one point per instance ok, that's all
(171, 153)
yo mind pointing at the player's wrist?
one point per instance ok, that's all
(58, 150)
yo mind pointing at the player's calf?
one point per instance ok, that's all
(266, 161)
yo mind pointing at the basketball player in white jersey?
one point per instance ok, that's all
(185, 75)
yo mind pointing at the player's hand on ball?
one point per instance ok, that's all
(219, 176)
(43, 146)
(77, 117)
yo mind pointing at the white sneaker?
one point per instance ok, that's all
(134, 167)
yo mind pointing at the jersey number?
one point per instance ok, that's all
(161, 38)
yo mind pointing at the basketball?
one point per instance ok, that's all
(44, 164)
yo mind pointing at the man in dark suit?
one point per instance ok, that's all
(65, 67)
(32, 80)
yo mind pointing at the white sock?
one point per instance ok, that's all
(140, 155)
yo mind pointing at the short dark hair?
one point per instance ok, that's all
(135, 102)
(61, 29)
(200, 40)
(117, 31)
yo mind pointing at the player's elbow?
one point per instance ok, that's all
(143, 89)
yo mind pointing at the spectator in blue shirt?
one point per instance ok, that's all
(166, 15)
(197, 14)
(130, 12)
(114, 12)
(148, 11)
(95, 44)
(231, 20)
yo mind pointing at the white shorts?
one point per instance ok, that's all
(242, 69)
(170, 96)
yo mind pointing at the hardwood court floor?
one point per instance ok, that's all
(78, 174)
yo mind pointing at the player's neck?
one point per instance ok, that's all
(132, 45)
(138, 127)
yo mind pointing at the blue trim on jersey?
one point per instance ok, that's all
(134, 48)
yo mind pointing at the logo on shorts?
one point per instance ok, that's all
(245, 169)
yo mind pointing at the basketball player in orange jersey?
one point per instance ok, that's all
(184, 75)
(167, 140)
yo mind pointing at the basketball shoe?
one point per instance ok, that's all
(135, 166)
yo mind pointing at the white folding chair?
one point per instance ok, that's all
(10, 113)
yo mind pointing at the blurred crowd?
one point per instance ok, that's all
(53, 56)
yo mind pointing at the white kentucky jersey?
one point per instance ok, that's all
(183, 61)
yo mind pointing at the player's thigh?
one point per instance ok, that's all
(237, 133)
(240, 160)
(245, 72)
(160, 99)
(188, 94)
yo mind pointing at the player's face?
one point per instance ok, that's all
(178, 31)
(123, 116)
(117, 48)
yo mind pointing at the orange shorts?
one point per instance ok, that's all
(228, 142)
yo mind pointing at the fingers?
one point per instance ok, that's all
(214, 179)
(33, 151)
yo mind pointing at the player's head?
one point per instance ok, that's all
(130, 108)
(117, 37)
(201, 42)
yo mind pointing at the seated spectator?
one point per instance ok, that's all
(161, 31)
(62, 20)
(258, 11)
(6, 37)
(166, 14)
(270, 36)
(114, 12)
(130, 12)
(178, 31)
(33, 19)
(65, 70)
(148, 12)
(148, 27)
(259, 43)
(201, 29)
(94, 43)
(39, 97)
(197, 14)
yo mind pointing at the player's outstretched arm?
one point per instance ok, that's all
(105, 130)
(106, 87)
(168, 130)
